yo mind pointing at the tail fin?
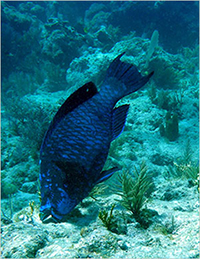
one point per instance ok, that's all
(123, 78)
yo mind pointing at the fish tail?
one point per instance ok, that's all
(123, 79)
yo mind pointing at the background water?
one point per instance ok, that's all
(48, 50)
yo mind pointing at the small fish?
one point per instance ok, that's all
(76, 145)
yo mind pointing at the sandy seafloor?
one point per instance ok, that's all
(174, 232)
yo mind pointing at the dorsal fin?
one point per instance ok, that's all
(80, 96)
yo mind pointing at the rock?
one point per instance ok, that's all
(20, 240)
(60, 38)
(29, 187)
(61, 248)
(172, 195)
(161, 159)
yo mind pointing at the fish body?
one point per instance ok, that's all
(76, 145)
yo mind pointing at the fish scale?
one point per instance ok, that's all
(76, 145)
(88, 128)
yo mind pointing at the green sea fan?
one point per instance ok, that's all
(114, 222)
(98, 190)
(192, 172)
(189, 171)
(107, 218)
(133, 189)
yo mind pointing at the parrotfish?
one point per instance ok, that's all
(76, 144)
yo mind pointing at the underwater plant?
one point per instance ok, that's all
(133, 189)
(185, 167)
(167, 100)
(191, 57)
(187, 154)
(166, 74)
(133, 192)
(189, 171)
(152, 46)
(114, 223)
(107, 218)
(5, 218)
(171, 128)
(8, 188)
(98, 189)
(168, 228)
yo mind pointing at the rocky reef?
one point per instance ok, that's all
(49, 50)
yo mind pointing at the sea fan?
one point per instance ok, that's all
(133, 189)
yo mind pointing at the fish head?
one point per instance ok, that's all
(56, 202)
(56, 208)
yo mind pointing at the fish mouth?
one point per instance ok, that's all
(47, 217)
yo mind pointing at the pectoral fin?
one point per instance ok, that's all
(106, 174)
(118, 120)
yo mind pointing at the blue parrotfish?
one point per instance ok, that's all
(76, 144)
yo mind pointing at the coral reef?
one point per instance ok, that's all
(60, 41)
(55, 79)
(51, 48)
(19, 84)
(168, 71)
(27, 118)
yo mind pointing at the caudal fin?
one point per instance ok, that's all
(124, 78)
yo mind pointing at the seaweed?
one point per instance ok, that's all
(167, 100)
(5, 219)
(163, 100)
(184, 167)
(171, 128)
(98, 189)
(171, 172)
(187, 155)
(188, 171)
(152, 46)
(8, 219)
(133, 191)
(114, 223)
(107, 218)
(166, 74)
(191, 57)
(168, 228)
